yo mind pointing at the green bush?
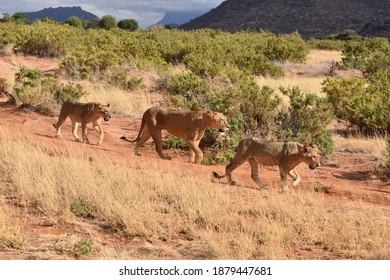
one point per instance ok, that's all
(68, 92)
(357, 54)
(42, 39)
(41, 92)
(187, 90)
(128, 24)
(364, 105)
(289, 47)
(306, 119)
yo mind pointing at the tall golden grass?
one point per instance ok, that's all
(174, 215)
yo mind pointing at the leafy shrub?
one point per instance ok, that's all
(41, 92)
(258, 107)
(289, 47)
(357, 54)
(306, 119)
(68, 92)
(107, 22)
(257, 64)
(187, 90)
(119, 79)
(364, 105)
(40, 39)
(128, 24)
(76, 22)
(346, 35)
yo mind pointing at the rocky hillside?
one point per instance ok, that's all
(311, 18)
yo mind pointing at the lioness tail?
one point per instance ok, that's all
(128, 140)
(216, 175)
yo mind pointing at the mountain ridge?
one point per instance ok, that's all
(310, 18)
(179, 17)
(61, 14)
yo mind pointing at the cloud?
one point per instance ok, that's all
(144, 12)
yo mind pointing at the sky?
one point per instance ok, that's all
(145, 12)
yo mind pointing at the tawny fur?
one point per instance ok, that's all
(83, 113)
(189, 125)
(286, 155)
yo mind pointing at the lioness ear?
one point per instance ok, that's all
(108, 105)
(306, 148)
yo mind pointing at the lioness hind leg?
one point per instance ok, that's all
(255, 173)
(230, 168)
(145, 137)
(158, 142)
(196, 154)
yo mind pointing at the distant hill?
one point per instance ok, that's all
(310, 18)
(174, 18)
(61, 14)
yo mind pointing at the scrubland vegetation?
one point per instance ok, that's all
(241, 75)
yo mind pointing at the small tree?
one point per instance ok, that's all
(21, 18)
(107, 22)
(128, 24)
(75, 22)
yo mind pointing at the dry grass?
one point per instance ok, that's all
(173, 215)
(307, 76)
(375, 146)
(10, 226)
(122, 102)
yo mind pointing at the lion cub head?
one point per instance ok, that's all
(312, 156)
(218, 121)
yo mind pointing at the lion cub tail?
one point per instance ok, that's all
(216, 175)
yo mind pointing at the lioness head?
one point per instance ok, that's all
(312, 156)
(103, 111)
(218, 121)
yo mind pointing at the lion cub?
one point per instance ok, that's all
(83, 113)
(286, 155)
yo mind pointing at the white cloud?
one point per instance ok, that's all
(144, 12)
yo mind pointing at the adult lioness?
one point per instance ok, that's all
(189, 125)
(83, 113)
(286, 155)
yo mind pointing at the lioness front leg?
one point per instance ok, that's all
(97, 127)
(295, 176)
(84, 132)
(58, 125)
(283, 177)
(75, 126)
(196, 154)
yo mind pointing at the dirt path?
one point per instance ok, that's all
(346, 176)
